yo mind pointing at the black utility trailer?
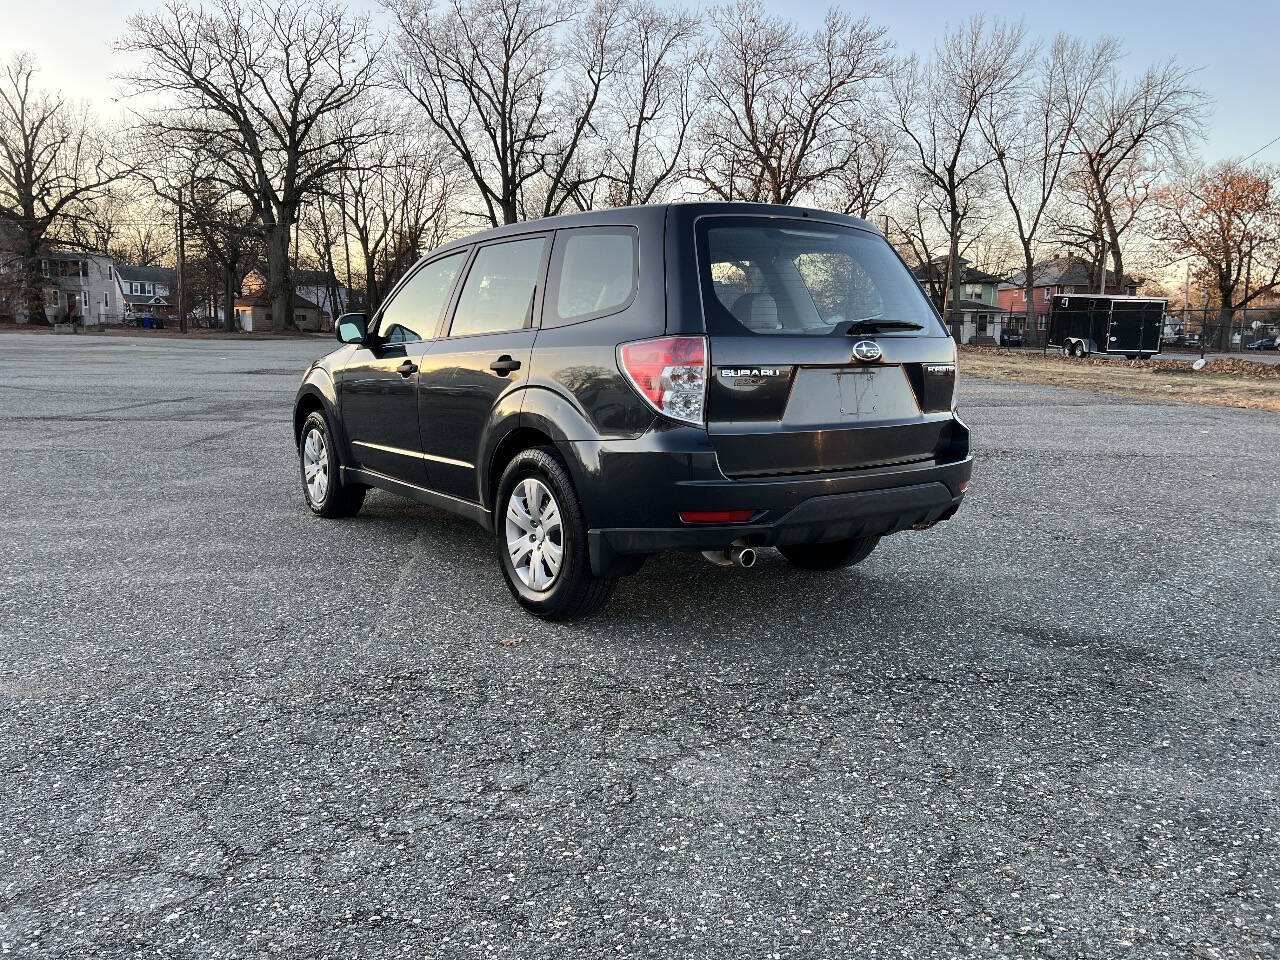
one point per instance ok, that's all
(1081, 324)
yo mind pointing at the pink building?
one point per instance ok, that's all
(1061, 275)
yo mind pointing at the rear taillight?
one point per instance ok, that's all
(669, 372)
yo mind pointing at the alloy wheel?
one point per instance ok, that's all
(535, 536)
(315, 465)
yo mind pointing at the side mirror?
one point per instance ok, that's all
(352, 328)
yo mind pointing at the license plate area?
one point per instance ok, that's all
(860, 391)
(824, 397)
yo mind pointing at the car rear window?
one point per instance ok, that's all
(792, 277)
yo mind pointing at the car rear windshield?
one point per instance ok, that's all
(795, 277)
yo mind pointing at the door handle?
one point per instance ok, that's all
(407, 368)
(504, 365)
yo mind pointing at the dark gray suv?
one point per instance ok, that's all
(599, 387)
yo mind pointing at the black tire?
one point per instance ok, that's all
(573, 592)
(835, 555)
(338, 499)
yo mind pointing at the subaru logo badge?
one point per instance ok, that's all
(866, 350)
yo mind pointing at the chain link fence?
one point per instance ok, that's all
(1194, 330)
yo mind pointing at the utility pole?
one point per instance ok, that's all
(1186, 301)
(1204, 324)
(182, 265)
(1244, 304)
(346, 246)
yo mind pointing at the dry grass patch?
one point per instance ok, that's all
(1224, 382)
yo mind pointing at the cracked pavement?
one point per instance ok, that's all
(1047, 727)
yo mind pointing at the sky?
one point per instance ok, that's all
(1233, 43)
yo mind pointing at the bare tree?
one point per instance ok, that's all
(322, 228)
(780, 103)
(1129, 128)
(53, 164)
(872, 172)
(647, 113)
(99, 223)
(130, 222)
(938, 107)
(919, 226)
(224, 225)
(395, 199)
(1030, 138)
(1226, 221)
(267, 86)
(489, 74)
(591, 58)
(917, 229)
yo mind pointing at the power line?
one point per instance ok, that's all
(1261, 148)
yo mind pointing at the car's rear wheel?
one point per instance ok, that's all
(542, 540)
(322, 485)
(829, 556)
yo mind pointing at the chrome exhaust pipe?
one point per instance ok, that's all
(738, 555)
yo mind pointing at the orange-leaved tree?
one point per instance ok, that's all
(1226, 220)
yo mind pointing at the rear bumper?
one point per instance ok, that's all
(811, 509)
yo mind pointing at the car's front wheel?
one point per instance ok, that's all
(542, 540)
(830, 556)
(322, 485)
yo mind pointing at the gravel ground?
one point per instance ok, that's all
(1045, 728)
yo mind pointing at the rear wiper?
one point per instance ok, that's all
(879, 323)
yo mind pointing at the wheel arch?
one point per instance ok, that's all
(308, 402)
(317, 394)
(545, 420)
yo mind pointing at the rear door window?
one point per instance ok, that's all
(498, 293)
(593, 273)
(792, 278)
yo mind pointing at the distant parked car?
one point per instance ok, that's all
(1267, 343)
(1011, 338)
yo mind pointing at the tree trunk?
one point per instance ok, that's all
(1225, 317)
(953, 278)
(279, 279)
(372, 297)
(229, 298)
(33, 286)
(1030, 331)
(509, 213)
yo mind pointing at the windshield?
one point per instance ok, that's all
(793, 277)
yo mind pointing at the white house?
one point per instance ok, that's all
(318, 289)
(145, 291)
(78, 287)
(980, 315)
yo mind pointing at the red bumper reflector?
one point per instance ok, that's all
(964, 485)
(716, 516)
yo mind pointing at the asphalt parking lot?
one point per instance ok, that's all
(229, 729)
